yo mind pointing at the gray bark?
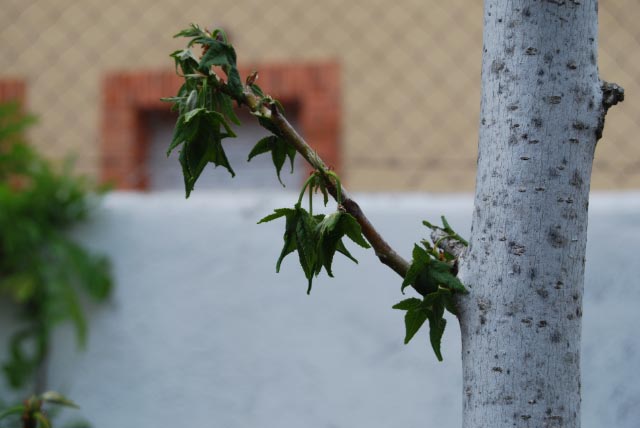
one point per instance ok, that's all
(542, 113)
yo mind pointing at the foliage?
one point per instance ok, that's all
(205, 105)
(431, 270)
(316, 237)
(43, 272)
(31, 411)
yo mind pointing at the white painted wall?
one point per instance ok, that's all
(202, 332)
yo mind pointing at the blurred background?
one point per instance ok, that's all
(389, 92)
(199, 329)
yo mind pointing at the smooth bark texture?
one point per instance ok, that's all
(541, 115)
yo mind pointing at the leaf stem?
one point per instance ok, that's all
(304, 187)
(311, 200)
(338, 187)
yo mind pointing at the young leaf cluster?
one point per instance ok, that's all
(432, 274)
(205, 106)
(316, 238)
(31, 412)
(279, 149)
(43, 272)
(205, 112)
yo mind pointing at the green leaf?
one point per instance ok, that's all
(436, 331)
(436, 299)
(257, 91)
(278, 212)
(340, 248)
(413, 320)
(441, 274)
(408, 304)
(330, 232)
(182, 133)
(186, 61)
(350, 226)
(15, 410)
(306, 243)
(234, 82)
(223, 104)
(195, 112)
(268, 124)
(263, 146)
(201, 132)
(192, 31)
(217, 54)
(290, 244)
(58, 399)
(279, 149)
(418, 265)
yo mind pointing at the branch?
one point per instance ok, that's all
(383, 250)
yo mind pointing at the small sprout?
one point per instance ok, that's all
(251, 79)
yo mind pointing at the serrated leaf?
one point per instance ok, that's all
(217, 54)
(289, 237)
(450, 305)
(436, 331)
(279, 149)
(263, 146)
(306, 243)
(278, 156)
(42, 419)
(186, 61)
(191, 114)
(182, 132)
(352, 229)
(441, 274)
(436, 298)
(194, 157)
(342, 250)
(278, 212)
(407, 304)
(224, 105)
(201, 135)
(330, 233)
(234, 82)
(418, 265)
(413, 320)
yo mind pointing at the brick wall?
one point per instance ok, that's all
(12, 90)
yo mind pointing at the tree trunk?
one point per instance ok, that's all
(542, 113)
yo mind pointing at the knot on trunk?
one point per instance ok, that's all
(612, 94)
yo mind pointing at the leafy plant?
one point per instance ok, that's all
(205, 101)
(31, 412)
(43, 272)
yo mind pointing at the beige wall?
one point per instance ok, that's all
(410, 74)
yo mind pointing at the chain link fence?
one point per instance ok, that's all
(410, 75)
